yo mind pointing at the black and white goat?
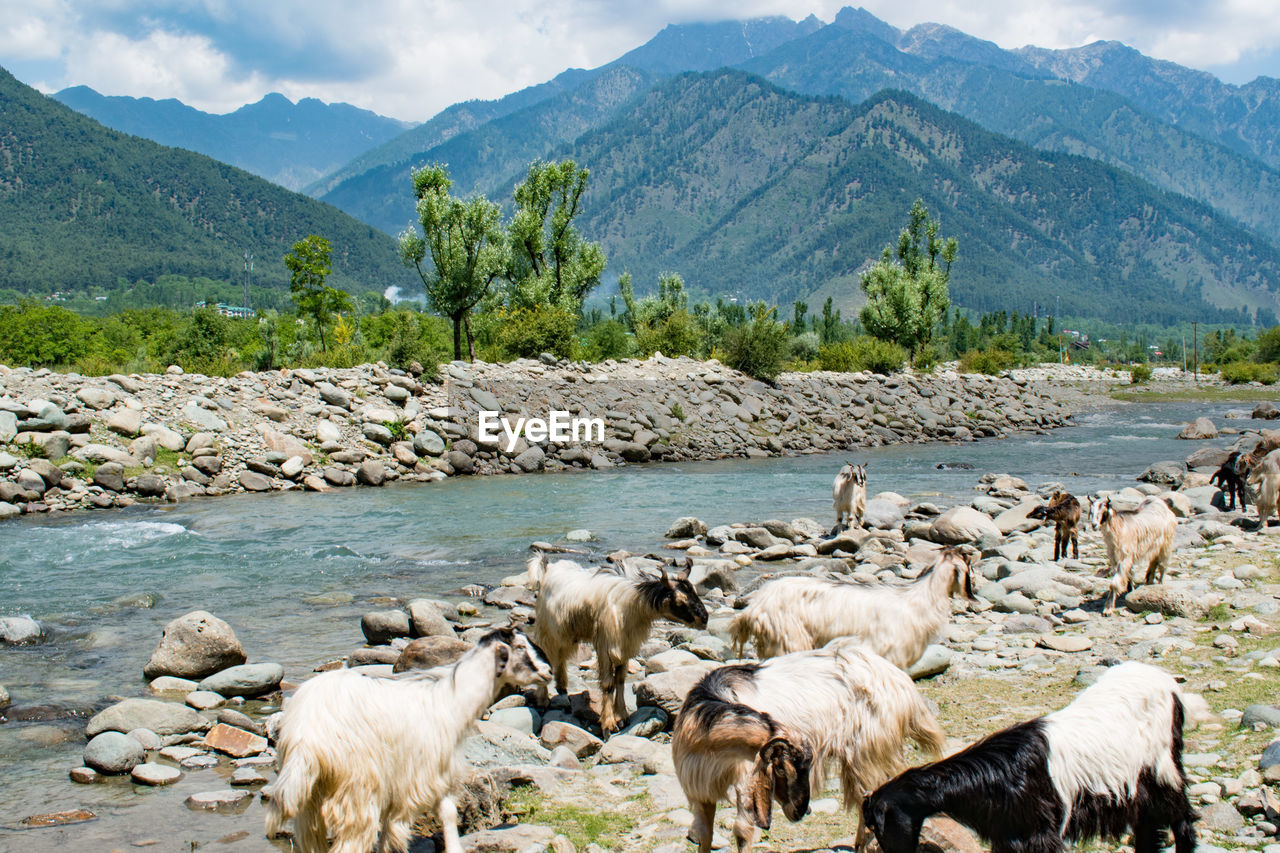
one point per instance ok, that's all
(362, 757)
(892, 619)
(770, 730)
(613, 612)
(1229, 479)
(1135, 539)
(1108, 762)
(849, 495)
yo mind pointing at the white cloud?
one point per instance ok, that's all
(411, 58)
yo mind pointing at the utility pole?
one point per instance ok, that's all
(1195, 341)
(248, 271)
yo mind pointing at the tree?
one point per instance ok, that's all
(309, 265)
(466, 246)
(551, 263)
(906, 289)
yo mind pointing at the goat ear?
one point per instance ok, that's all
(759, 795)
(501, 657)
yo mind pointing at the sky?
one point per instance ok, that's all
(411, 58)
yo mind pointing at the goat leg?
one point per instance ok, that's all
(703, 826)
(448, 813)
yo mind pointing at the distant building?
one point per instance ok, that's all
(230, 310)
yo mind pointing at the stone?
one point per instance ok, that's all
(1025, 623)
(578, 740)
(429, 652)
(371, 472)
(1265, 412)
(687, 527)
(428, 443)
(200, 417)
(426, 620)
(962, 524)
(1170, 473)
(243, 777)
(1199, 429)
(333, 395)
(292, 467)
(669, 660)
(220, 801)
(627, 749)
(1060, 643)
(19, 630)
(56, 818)
(1267, 715)
(944, 835)
(378, 433)
(1270, 756)
(380, 626)
(314, 483)
(84, 775)
(149, 485)
(8, 427)
(163, 718)
(209, 465)
(339, 477)
(110, 476)
(531, 460)
(126, 422)
(1166, 599)
(147, 738)
(508, 839)
(233, 741)
(935, 660)
(155, 774)
(667, 690)
(204, 700)
(169, 684)
(327, 431)
(252, 481)
(113, 753)
(195, 645)
(248, 680)
(1221, 817)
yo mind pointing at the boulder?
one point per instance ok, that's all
(327, 431)
(163, 718)
(428, 652)
(1200, 428)
(883, 514)
(962, 524)
(113, 752)
(193, 646)
(686, 528)
(934, 661)
(1265, 412)
(371, 473)
(1164, 473)
(428, 443)
(426, 620)
(155, 774)
(19, 630)
(580, 741)
(1164, 598)
(233, 741)
(666, 690)
(380, 626)
(249, 680)
(252, 481)
(126, 422)
(110, 476)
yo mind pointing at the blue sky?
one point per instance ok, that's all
(411, 58)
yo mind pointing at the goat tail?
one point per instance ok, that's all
(923, 729)
(293, 788)
(537, 569)
(740, 629)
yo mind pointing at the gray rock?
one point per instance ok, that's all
(8, 427)
(686, 528)
(248, 680)
(646, 722)
(334, 395)
(8, 510)
(163, 718)
(935, 661)
(1268, 715)
(627, 749)
(666, 690)
(428, 652)
(125, 421)
(371, 473)
(497, 746)
(110, 476)
(149, 485)
(154, 774)
(380, 626)
(1270, 756)
(522, 719)
(113, 752)
(378, 433)
(1265, 412)
(195, 645)
(1166, 599)
(220, 801)
(209, 464)
(578, 740)
(252, 481)
(1199, 429)
(426, 620)
(531, 460)
(460, 462)
(204, 700)
(145, 737)
(962, 524)
(1023, 623)
(339, 477)
(1170, 473)
(1221, 817)
(16, 630)
(882, 514)
(428, 443)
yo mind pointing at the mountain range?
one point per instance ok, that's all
(287, 143)
(81, 205)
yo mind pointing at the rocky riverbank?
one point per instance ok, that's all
(546, 779)
(70, 442)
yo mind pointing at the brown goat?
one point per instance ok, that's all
(1064, 511)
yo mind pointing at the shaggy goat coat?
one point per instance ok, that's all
(1135, 538)
(1110, 760)
(1064, 511)
(613, 612)
(1265, 480)
(849, 495)
(364, 756)
(894, 620)
(851, 708)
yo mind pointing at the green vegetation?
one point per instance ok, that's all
(863, 353)
(309, 266)
(582, 826)
(1139, 373)
(759, 347)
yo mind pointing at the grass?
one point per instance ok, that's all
(1214, 393)
(580, 825)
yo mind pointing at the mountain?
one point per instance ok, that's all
(81, 204)
(290, 144)
(1003, 92)
(676, 48)
(745, 187)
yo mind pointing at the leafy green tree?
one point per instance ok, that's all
(551, 262)
(1268, 345)
(760, 347)
(309, 266)
(466, 247)
(906, 289)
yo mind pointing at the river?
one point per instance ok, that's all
(273, 566)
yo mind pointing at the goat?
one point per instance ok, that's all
(892, 619)
(613, 612)
(1265, 480)
(770, 729)
(362, 756)
(1229, 479)
(1134, 538)
(1064, 511)
(849, 495)
(1110, 760)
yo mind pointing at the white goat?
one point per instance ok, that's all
(894, 620)
(362, 756)
(757, 726)
(1265, 482)
(849, 495)
(1134, 538)
(613, 612)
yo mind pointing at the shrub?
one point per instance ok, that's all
(676, 335)
(1139, 373)
(398, 429)
(758, 348)
(805, 346)
(926, 359)
(990, 361)
(677, 412)
(529, 332)
(1238, 372)
(608, 340)
(863, 353)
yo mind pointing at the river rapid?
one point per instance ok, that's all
(293, 572)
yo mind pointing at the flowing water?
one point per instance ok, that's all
(292, 573)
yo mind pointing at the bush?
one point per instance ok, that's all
(805, 346)
(990, 361)
(1139, 373)
(1238, 372)
(926, 359)
(674, 336)
(608, 340)
(529, 332)
(863, 353)
(758, 348)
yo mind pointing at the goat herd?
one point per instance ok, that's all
(362, 757)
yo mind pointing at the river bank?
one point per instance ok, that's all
(624, 796)
(71, 442)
